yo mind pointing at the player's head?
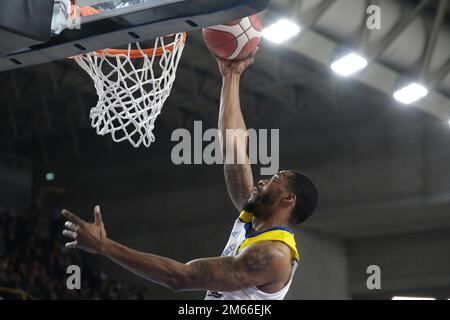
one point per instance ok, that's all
(289, 190)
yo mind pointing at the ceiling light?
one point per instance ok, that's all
(349, 64)
(281, 31)
(411, 298)
(411, 93)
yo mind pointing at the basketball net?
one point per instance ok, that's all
(132, 86)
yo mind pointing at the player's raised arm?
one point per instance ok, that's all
(238, 174)
(261, 263)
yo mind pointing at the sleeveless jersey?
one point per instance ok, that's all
(239, 239)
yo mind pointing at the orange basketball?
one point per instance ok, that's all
(235, 40)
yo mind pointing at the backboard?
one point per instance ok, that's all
(124, 21)
(115, 8)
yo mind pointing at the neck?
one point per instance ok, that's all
(275, 220)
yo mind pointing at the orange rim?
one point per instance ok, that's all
(144, 52)
(88, 11)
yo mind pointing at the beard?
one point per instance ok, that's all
(259, 203)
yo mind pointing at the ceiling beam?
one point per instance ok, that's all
(432, 40)
(443, 73)
(381, 47)
(322, 50)
(310, 19)
(365, 32)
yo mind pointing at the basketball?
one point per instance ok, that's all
(235, 40)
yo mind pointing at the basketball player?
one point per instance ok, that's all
(260, 258)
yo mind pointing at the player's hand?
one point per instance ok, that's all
(90, 237)
(228, 67)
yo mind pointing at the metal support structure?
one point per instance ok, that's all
(296, 9)
(443, 73)
(365, 32)
(318, 13)
(397, 30)
(431, 45)
(320, 49)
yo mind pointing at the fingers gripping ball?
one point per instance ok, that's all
(235, 40)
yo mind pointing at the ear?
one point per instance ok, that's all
(288, 199)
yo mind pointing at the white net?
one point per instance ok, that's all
(132, 90)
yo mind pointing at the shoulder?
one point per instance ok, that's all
(271, 257)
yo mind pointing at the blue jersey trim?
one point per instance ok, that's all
(248, 226)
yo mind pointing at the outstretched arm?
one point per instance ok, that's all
(259, 264)
(238, 174)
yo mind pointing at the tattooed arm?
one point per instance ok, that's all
(238, 173)
(258, 265)
(262, 263)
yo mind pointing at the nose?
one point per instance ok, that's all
(261, 183)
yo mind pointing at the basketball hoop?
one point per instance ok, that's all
(132, 86)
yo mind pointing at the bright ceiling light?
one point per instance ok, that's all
(349, 64)
(411, 298)
(411, 93)
(281, 31)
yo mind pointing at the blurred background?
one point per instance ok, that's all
(381, 166)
